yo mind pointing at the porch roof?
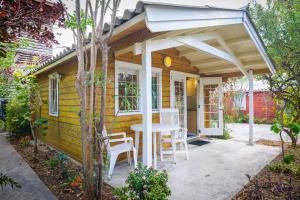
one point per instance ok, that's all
(229, 33)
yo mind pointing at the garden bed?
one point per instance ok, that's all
(278, 180)
(64, 180)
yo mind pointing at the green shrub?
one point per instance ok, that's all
(2, 125)
(145, 183)
(51, 163)
(277, 167)
(24, 143)
(18, 115)
(288, 159)
(243, 117)
(62, 158)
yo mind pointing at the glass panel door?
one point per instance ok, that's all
(211, 106)
(178, 97)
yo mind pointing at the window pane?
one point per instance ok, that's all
(155, 92)
(128, 91)
(53, 98)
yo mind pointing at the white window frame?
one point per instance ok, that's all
(121, 66)
(54, 76)
(158, 71)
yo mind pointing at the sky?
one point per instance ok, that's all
(65, 37)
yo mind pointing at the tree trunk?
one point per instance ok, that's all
(81, 88)
(282, 144)
(292, 137)
(104, 51)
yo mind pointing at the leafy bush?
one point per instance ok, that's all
(62, 158)
(276, 167)
(51, 163)
(289, 159)
(17, 114)
(243, 118)
(24, 142)
(6, 180)
(2, 125)
(145, 183)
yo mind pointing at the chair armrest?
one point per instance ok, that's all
(117, 134)
(121, 140)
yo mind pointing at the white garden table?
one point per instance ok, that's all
(157, 128)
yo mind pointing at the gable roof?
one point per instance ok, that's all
(158, 18)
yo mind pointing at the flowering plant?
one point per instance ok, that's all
(145, 183)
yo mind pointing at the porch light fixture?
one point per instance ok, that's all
(167, 61)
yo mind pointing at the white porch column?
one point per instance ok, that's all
(146, 99)
(251, 109)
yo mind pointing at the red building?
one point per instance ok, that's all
(237, 104)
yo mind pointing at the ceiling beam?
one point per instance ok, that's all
(228, 42)
(201, 46)
(238, 62)
(219, 69)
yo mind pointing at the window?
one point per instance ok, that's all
(53, 94)
(127, 91)
(240, 100)
(155, 91)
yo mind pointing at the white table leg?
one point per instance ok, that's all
(154, 150)
(173, 146)
(137, 142)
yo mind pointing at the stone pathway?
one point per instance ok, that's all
(13, 165)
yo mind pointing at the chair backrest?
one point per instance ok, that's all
(106, 139)
(169, 116)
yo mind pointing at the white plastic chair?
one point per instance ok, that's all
(125, 144)
(171, 116)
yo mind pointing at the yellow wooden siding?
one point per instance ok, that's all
(64, 131)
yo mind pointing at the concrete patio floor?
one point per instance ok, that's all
(214, 171)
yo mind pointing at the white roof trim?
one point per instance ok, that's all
(167, 18)
(256, 39)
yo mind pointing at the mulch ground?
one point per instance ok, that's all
(52, 177)
(271, 185)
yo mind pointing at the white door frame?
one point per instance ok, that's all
(182, 75)
(210, 131)
(178, 76)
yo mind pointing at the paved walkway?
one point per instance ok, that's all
(240, 131)
(12, 164)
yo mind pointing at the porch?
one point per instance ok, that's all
(214, 171)
(219, 43)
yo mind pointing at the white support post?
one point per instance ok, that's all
(251, 107)
(146, 101)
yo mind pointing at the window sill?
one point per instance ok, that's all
(53, 114)
(133, 113)
(128, 113)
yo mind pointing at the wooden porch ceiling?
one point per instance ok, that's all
(238, 40)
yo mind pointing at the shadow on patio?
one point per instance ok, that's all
(214, 171)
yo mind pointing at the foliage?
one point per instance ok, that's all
(288, 159)
(290, 163)
(145, 183)
(23, 107)
(17, 112)
(24, 142)
(2, 125)
(36, 18)
(72, 23)
(279, 23)
(76, 182)
(51, 163)
(62, 158)
(6, 180)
